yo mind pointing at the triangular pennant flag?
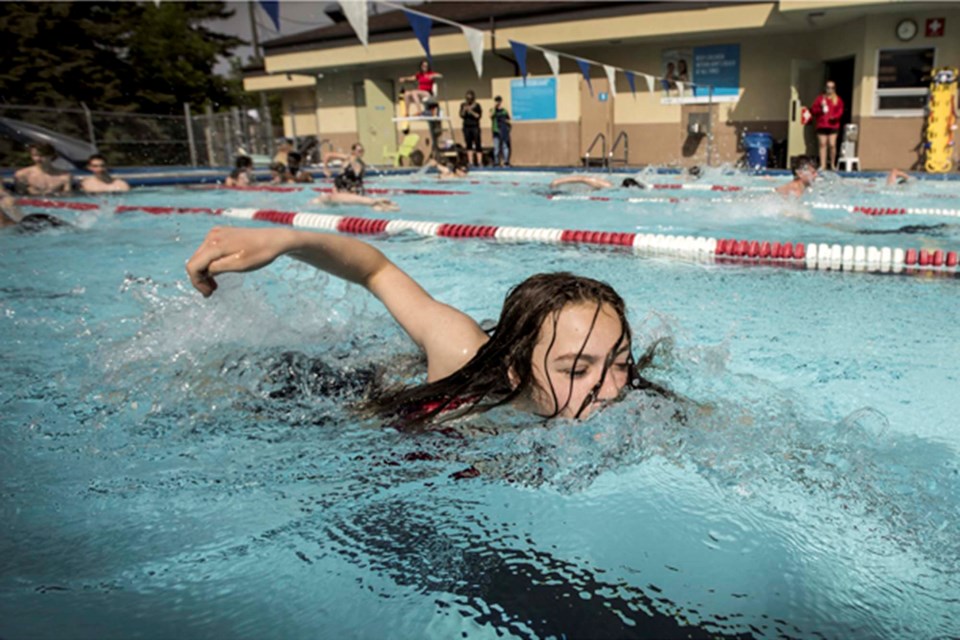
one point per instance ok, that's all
(611, 78)
(475, 43)
(356, 14)
(421, 26)
(156, 2)
(520, 53)
(585, 70)
(632, 81)
(553, 60)
(650, 80)
(272, 9)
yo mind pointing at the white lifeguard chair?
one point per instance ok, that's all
(848, 149)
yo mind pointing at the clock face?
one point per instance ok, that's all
(907, 29)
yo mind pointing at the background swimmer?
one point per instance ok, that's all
(101, 181)
(595, 183)
(804, 174)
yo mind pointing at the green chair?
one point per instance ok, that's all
(407, 147)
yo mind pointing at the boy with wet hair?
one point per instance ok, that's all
(804, 173)
(42, 178)
(101, 181)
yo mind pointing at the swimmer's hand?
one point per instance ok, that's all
(229, 249)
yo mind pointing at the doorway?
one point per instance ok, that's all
(841, 72)
(596, 116)
(806, 78)
(375, 127)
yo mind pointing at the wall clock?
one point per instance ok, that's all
(906, 29)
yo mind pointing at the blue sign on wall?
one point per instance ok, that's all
(535, 100)
(718, 65)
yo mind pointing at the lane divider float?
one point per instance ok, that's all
(797, 255)
(849, 208)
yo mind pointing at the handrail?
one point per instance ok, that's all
(626, 148)
(603, 148)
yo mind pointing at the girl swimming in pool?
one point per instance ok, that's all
(561, 348)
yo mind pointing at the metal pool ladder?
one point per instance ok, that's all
(602, 139)
(626, 150)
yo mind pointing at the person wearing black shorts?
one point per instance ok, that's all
(471, 113)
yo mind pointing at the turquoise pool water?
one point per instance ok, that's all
(180, 466)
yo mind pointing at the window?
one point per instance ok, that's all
(903, 79)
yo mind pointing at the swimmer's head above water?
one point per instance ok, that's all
(804, 169)
(561, 348)
(632, 182)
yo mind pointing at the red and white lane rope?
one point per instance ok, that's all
(835, 257)
(849, 208)
(822, 256)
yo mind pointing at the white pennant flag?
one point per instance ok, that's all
(611, 78)
(356, 14)
(156, 2)
(553, 60)
(650, 80)
(475, 42)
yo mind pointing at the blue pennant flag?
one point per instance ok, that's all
(633, 82)
(272, 9)
(585, 70)
(421, 28)
(520, 52)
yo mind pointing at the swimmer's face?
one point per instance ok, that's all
(39, 159)
(97, 167)
(807, 174)
(572, 379)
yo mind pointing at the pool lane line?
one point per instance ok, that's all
(849, 208)
(822, 256)
(834, 257)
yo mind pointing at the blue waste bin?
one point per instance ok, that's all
(758, 145)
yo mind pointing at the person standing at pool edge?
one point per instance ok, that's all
(561, 348)
(471, 112)
(828, 110)
(501, 133)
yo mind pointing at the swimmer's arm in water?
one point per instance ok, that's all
(897, 177)
(449, 337)
(595, 183)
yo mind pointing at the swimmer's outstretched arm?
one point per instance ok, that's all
(449, 337)
(596, 183)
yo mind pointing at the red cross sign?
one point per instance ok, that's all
(935, 27)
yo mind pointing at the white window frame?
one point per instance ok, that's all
(917, 91)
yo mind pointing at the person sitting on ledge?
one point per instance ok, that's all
(596, 183)
(42, 178)
(240, 176)
(804, 174)
(101, 181)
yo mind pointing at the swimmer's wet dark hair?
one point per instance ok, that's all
(632, 182)
(799, 163)
(502, 369)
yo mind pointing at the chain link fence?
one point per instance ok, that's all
(137, 139)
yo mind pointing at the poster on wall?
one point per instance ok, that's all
(535, 99)
(717, 65)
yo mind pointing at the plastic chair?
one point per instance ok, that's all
(846, 164)
(406, 148)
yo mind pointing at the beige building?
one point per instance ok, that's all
(766, 60)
